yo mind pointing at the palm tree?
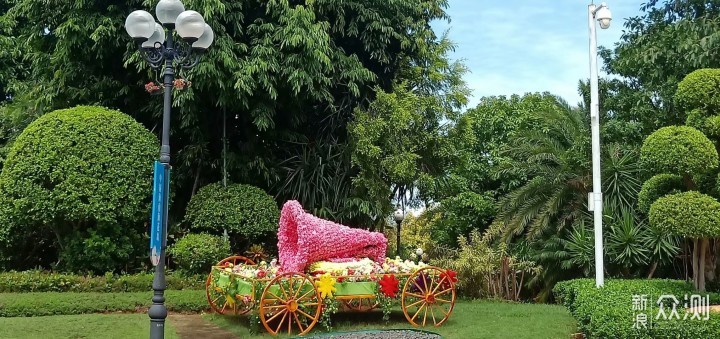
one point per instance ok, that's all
(554, 159)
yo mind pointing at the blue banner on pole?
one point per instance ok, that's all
(161, 185)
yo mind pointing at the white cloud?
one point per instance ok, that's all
(517, 46)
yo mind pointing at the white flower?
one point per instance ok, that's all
(419, 251)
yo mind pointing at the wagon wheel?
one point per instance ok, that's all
(428, 289)
(361, 304)
(290, 300)
(219, 301)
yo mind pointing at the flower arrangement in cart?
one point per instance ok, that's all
(323, 267)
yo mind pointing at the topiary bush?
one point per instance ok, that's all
(689, 214)
(607, 312)
(79, 180)
(197, 253)
(656, 187)
(693, 215)
(242, 210)
(699, 90)
(679, 150)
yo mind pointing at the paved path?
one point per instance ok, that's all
(191, 326)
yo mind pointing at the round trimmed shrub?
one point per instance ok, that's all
(81, 176)
(688, 214)
(699, 89)
(197, 253)
(243, 210)
(656, 187)
(678, 150)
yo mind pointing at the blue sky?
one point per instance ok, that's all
(519, 46)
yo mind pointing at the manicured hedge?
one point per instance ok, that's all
(55, 303)
(607, 312)
(38, 281)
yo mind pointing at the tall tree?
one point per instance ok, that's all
(287, 74)
(659, 48)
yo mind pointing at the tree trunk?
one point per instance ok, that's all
(695, 251)
(653, 267)
(701, 273)
(196, 183)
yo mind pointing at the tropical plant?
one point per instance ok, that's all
(553, 156)
(485, 271)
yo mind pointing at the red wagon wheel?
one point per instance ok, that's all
(429, 290)
(290, 301)
(361, 304)
(218, 300)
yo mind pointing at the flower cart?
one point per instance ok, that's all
(323, 265)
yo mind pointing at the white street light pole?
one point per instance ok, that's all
(595, 199)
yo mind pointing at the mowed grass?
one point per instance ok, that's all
(111, 326)
(469, 320)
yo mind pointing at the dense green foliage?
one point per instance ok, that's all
(461, 214)
(607, 312)
(284, 76)
(243, 210)
(656, 187)
(689, 214)
(487, 271)
(699, 90)
(553, 157)
(61, 303)
(77, 181)
(197, 253)
(679, 150)
(38, 281)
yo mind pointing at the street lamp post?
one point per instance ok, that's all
(602, 15)
(155, 42)
(399, 216)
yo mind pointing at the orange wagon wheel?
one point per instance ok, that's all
(361, 304)
(219, 301)
(290, 302)
(428, 291)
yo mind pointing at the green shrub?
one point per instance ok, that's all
(196, 253)
(656, 187)
(479, 267)
(699, 90)
(678, 150)
(79, 180)
(39, 281)
(461, 214)
(242, 210)
(689, 214)
(56, 303)
(607, 312)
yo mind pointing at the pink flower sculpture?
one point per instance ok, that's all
(304, 238)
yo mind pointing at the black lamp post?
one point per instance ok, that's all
(399, 216)
(155, 41)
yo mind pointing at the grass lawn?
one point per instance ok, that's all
(469, 320)
(118, 326)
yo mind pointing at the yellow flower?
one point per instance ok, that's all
(326, 285)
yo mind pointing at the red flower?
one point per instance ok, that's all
(389, 285)
(340, 279)
(351, 271)
(449, 277)
(261, 274)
